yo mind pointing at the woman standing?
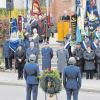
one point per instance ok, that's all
(89, 67)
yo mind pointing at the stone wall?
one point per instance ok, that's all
(58, 7)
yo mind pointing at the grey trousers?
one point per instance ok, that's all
(98, 70)
(31, 89)
(71, 92)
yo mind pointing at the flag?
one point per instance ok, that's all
(92, 15)
(13, 25)
(20, 23)
(36, 8)
(10, 4)
(78, 35)
(28, 3)
(27, 7)
(14, 38)
(48, 19)
(79, 24)
(48, 11)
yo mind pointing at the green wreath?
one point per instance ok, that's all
(50, 82)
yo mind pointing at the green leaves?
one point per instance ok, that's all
(50, 82)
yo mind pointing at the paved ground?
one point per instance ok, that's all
(11, 79)
(18, 93)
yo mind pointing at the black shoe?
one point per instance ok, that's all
(6, 68)
(11, 68)
(87, 77)
(97, 78)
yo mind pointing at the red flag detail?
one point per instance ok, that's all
(36, 8)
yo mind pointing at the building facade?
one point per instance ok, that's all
(58, 6)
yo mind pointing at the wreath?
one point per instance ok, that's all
(50, 82)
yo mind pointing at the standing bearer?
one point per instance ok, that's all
(63, 56)
(47, 54)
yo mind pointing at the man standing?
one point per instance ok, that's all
(61, 63)
(32, 50)
(97, 53)
(31, 73)
(47, 54)
(65, 16)
(6, 54)
(20, 57)
(78, 54)
(73, 76)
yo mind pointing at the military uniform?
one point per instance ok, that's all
(97, 52)
(89, 66)
(6, 54)
(26, 43)
(31, 73)
(47, 54)
(30, 51)
(73, 76)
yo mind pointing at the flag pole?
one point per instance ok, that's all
(47, 8)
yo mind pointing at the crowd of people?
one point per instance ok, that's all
(85, 58)
(86, 53)
(36, 30)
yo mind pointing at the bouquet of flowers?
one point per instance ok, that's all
(50, 82)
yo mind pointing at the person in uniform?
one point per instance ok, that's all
(32, 50)
(31, 74)
(6, 54)
(61, 63)
(72, 79)
(47, 55)
(85, 42)
(97, 53)
(20, 56)
(89, 66)
(78, 54)
(25, 41)
(65, 16)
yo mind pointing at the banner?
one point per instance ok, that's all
(9, 4)
(20, 23)
(14, 38)
(13, 25)
(48, 11)
(36, 8)
(92, 15)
